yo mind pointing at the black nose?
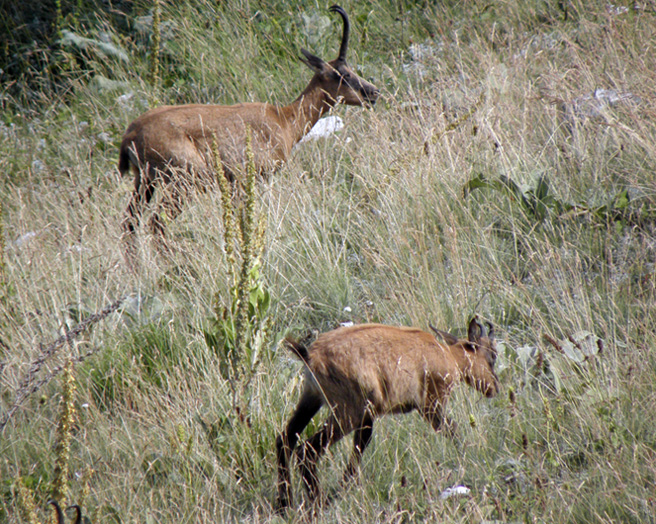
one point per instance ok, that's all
(372, 96)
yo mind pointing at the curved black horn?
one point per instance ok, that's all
(78, 514)
(58, 510)
(490, 330)
(345, 35)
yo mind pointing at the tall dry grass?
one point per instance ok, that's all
(369, 225)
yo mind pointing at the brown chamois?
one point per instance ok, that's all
(60, 513)
(364, 371)
(172, 145)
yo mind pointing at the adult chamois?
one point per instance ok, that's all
(365, 371)
(172, 145)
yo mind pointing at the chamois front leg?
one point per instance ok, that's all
(361, 440)
(286, 442)
(434, 413)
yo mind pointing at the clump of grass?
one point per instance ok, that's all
(153, 73)
(25, 502)
(29, 383)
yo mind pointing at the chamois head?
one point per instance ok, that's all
(336, 78)
(480, 354)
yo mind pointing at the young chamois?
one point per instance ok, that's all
(365, 371)
(172, 145)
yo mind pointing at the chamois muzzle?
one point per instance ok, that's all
(369, 95)
(493, 387)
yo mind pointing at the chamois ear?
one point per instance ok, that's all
(312, 61)
(474, 332)
(447, 337)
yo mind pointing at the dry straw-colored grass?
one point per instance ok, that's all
(374, 219)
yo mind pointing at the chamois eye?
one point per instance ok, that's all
(492, 357)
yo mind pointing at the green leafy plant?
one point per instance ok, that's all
(539, 201)
(238, 332)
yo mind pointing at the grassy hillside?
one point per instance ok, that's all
(508, 170)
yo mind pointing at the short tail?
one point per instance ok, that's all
(299, 348)
(124, 159)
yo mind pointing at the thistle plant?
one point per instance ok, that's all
(64, 433)
(251, 248)
(60, 485)
(238, 331)
(228, 215)
(59, 19)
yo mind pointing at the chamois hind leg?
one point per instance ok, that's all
(141, 196)
(307, 407)
(170, 206)
(311, 450)
(361, 439)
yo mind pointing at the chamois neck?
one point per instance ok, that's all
(308, 108)
(463, 361)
